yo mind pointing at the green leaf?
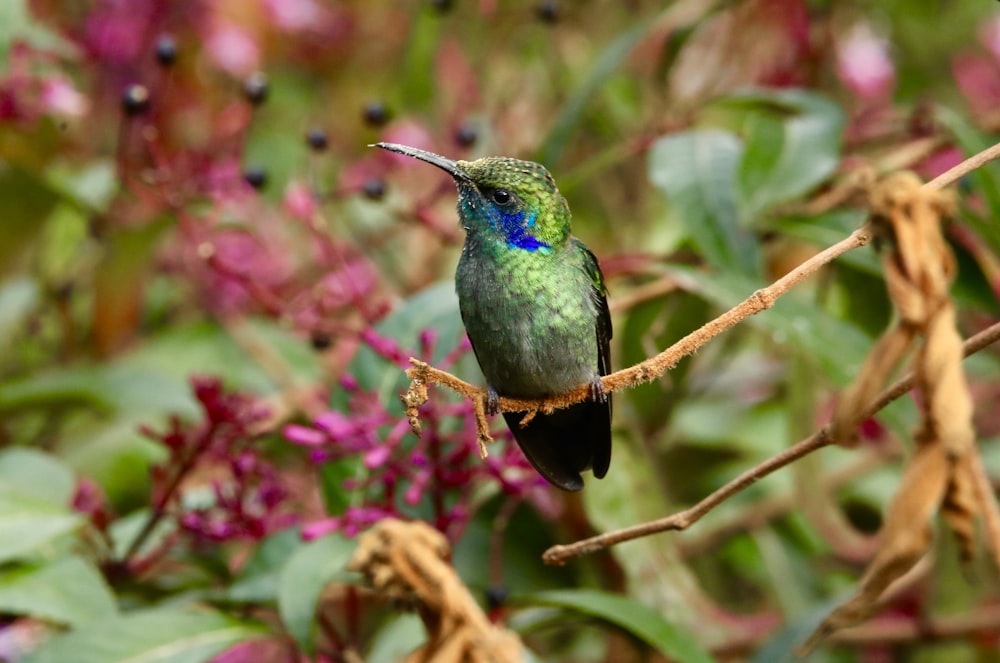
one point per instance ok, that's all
(88, 187)
(124, 530)
(985, 179)
(792, 144)
(828, 229)
(396, 639)
(159, 636)
(417, 90)
(836, 346)
(572, 111)
(19, 295)
(31, 516)
(36, 474)
(69, 591)
(258, 580)
(18, 24)
(303, 578)
(25, 204)
(781, 646)
(636, 618)
(650, 327)
(77, 386)
(696, 171)
(434, 308)
(26, 525)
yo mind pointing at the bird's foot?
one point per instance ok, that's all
(597, 393)
(492, 401)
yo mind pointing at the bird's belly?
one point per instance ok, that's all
(532, 341)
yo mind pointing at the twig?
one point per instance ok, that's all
(760, 512)
(956, 173)
(160, 507)
(644, 293)
(988, 509)
(684, 519)
(985, 619)
(650, 369)
(653, 367)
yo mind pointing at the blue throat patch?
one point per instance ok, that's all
(515, 228)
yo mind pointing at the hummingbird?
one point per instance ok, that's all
(534, 305)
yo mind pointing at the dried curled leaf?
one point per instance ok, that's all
(941, 475)
(408, 563)
(415, 396)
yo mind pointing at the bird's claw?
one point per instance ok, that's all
(597, 393)
(492, 401)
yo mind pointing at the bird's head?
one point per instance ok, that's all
(506, 199)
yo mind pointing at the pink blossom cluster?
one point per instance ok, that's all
(436, 477)
(247, 497)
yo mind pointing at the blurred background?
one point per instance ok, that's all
(210, 287)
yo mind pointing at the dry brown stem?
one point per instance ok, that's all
(422, 374)
(755, 514)
(985, 620)
(645, 371)
(407, 562)
(683, 519)
(957, 485)
(918, 271)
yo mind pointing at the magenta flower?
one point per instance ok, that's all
(246, 496)
(401, 476)
(864, 64)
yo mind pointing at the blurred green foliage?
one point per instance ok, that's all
(692, 141)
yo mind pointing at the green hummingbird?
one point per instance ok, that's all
(534, 305)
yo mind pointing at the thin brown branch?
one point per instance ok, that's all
(985, 619)
(650, 369)
(644, 293)
(988, 508)
(952, 175)
(653, 367)
(684, 519)
(758, 513)
(855, 182)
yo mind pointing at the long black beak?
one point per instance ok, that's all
(447, 165)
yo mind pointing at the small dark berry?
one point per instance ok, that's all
(320, 340)
(316, 138)
(496, 597)
(374, 188)
(255, 176)
(548, 11)
(255, 88)
(376, 114)
(166, 50)
(135, 100)
(466, 134)
(442, 6)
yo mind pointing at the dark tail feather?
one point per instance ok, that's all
(568, 441)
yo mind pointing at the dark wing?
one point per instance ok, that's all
(601, 412)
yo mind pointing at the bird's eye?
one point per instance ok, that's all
(502, 196)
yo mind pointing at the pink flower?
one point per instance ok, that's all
(441, 470)
(59, 97)
(990, 36)
(309, 437)
(376, 456)
(978, 78)
(300, 201)
(116, 31)
(863, 63)
(293, 15)
(233, 49)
